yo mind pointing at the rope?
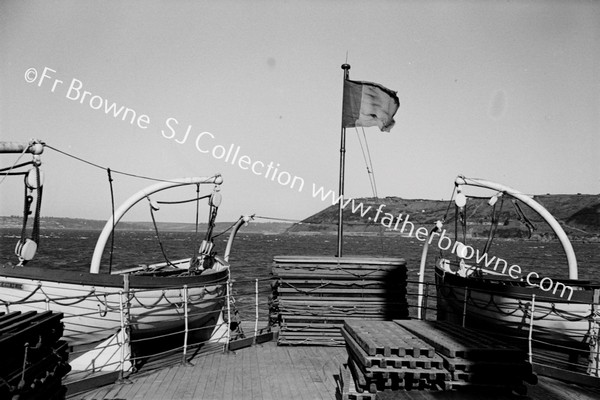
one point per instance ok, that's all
(194, 259)
(523, 218)
(112, 232)
(35, 234)
(495, 219)
(449, 204)
(566, 315)
(368, 162)
(371, 172)
(26, 211)
(307, 291)
(78, 299)
(464, 223)
(15, 165)
(105, 168)
(225, 231)
(24, 299)
(198, 204)
(162, 249)
(134, 297)
(282, 219)
(184, 201)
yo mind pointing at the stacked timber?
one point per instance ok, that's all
(385, 359)
(382, 356)
(34, 359)
(474, 358)
(312, 296)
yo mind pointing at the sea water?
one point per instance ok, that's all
(252, 254)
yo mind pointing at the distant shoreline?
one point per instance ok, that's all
(123, 227)
(578, 214)
(13, 222)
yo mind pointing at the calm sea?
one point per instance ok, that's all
(252, 254)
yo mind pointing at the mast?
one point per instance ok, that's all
(340, 241)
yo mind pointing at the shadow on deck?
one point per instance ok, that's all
(267, 371)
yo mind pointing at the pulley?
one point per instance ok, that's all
(25, 250)
(460, 200)
(215, 198)
(32, 180)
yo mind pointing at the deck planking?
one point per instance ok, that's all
(269, 372)
(183, 392)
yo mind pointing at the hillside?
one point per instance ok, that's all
(89, 224)
(578, 214)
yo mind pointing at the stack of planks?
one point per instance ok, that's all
(474, 358)
(34, 359)
(382, 356)
(312, 296)
(387, 357)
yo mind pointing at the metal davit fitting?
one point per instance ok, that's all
(537, 207)
(134, 199)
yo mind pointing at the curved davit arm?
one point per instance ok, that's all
(243, 220)
(142, 194)
(560, 233)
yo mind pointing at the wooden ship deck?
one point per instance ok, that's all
(268, 372)
(337, 339)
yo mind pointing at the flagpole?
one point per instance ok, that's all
(340, 242)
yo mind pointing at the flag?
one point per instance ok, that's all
(368, 104)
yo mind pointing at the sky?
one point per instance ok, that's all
(507, 91)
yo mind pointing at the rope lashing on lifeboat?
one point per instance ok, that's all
(75, 299)
(24, 299)
(519, 305)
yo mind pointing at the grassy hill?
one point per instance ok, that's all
(89, 224)
(578, 214)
